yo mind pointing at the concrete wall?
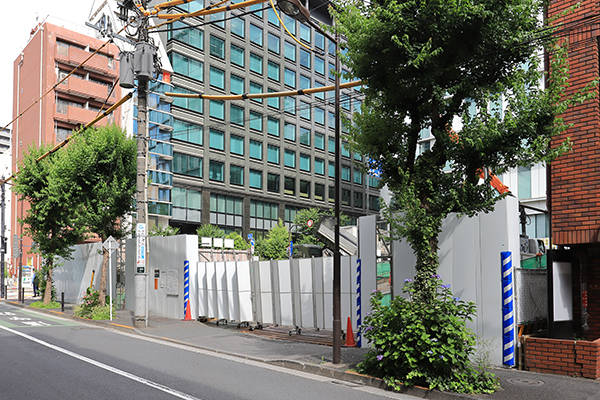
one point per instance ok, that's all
(469, 250)
(74, 276)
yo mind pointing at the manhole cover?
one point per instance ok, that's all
(525, 381)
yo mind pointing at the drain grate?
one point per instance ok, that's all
(525, 382)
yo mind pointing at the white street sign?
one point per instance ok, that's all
(110, 244)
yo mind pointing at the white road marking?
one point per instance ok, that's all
(136, 378)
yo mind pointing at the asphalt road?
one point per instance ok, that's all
(47, 358)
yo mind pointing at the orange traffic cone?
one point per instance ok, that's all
(349, 335)
(188, 312)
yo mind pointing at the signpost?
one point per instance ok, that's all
(110, 245)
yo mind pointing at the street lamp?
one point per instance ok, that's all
(294, 9)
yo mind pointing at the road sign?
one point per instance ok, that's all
(251, 245)
(140, 234)
(250, 236)
(110, 244)
(309, 223)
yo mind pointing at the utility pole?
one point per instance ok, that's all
(141, 272)
(3, 248)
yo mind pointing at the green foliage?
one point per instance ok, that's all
(91, 307)
(238, 242)
(425, 344)
(40, 304)
(163, 231)
(304, 234)
(428, 65)
(274, 246)
(208, 230)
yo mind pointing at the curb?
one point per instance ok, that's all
(322, 370)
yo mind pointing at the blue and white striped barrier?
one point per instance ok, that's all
(186, 287)
(508, 313)
(358, 311)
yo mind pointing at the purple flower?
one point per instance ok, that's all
(436, 276)
(457, 299)
(407, 280)
(368, 328)
(445, 286)
(375, 291)
(379, 357)
(429, 352)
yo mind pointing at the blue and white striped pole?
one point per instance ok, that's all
(358, 310)
(186, 288)
(508, 313)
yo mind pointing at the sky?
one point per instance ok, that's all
(19, 19)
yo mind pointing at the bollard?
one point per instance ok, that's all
(62, 301)
(23, 295)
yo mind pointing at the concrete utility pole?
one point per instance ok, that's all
(3, 248)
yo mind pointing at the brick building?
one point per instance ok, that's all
(574, 186)
(53, 51)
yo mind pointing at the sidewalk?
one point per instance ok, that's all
(228, 339)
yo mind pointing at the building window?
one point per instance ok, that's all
(217, 78)
(319, 40)
(304, 110)
(256, 88)
(187, 66)
(304, 82)
(255, 179)
(274, 43)
(290, 77)
(187, 131)
(305, 136)
(258, 8)
(187, 165)
(319, 166)
(358, 200)
(256, 121)
(188, 103)
(238, 27)
(236, 145)
(331, 169)
(345, 173)
(319, 141)
(273, 71)
(272, 17)
(273, 126)
(524, 182)
(263, 215)
(289, 158)
(237, 84)
(256, 35)
(183, 33)
(358, 176)
(331, 145)
(331, 194)
(256, 63)
(319, 116)
(217, 19)
(331, 120)
(237, 115)
(374, 203)
(217, 109)
(215, 171)
(374, 181)
(305, 162)
(216, 140)
(226, 210)
(331, 72)
(319, 191)
(289, 22)
(289, 51)
(305, 33)
(273, 183)
(305, 58)
(290, 131)
(273, 101)
(255, 149)
(236, 175)
(237, 55)
(346, 197)
(289, 185)
(345, 150)
(304, 189)
(273, 154)
(217, 47)
(186, 198)
(319, 66)
(290, 104)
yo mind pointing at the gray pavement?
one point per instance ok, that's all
(228, 339)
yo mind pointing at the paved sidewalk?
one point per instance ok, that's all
(228, 339)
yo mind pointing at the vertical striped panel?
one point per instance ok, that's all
(508, 313)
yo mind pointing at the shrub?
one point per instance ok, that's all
(425, 344)
(90, 307)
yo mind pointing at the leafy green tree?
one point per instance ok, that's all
(208, 230)
(100, 163)
(429, 64)
(55, 218)
(163, 231)
(304, 234)
(238, 242)
(274, 246)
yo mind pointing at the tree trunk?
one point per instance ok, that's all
(102, 294)
(48, 289)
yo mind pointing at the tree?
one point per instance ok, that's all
(238, 242)
(156, 230)
(305, 234)
(101, 165)
(429, 64)
(55, 218)
(274, 246)
(208, 230)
